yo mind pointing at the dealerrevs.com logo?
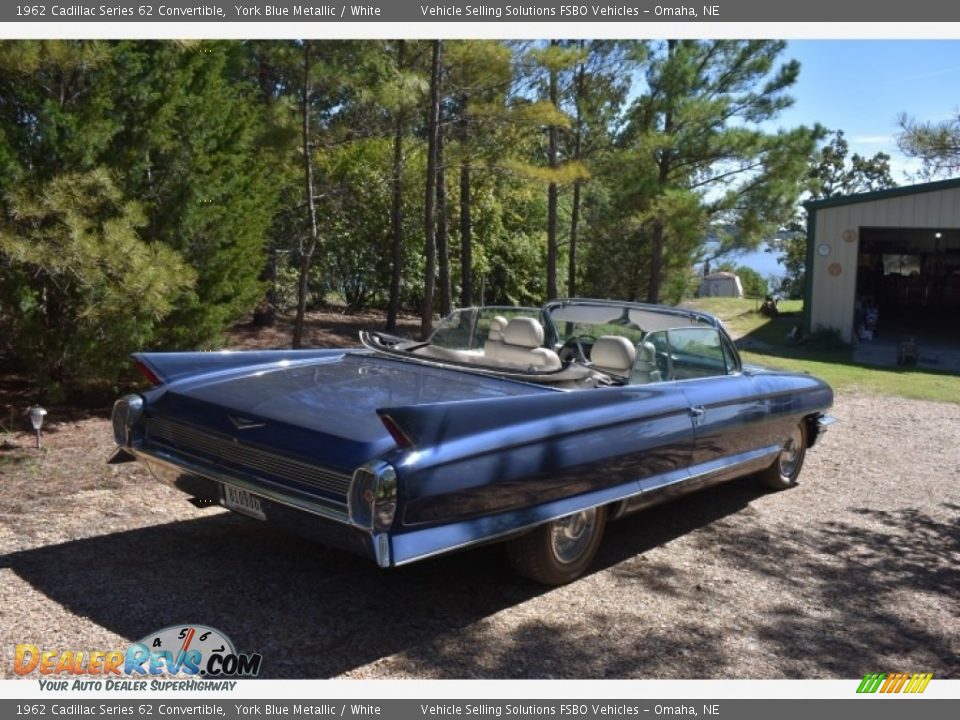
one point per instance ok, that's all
(891, 683)
(185, 651)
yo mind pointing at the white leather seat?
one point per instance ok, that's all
(521, 346)
(494, 340)
(645, 368)
(613, 354)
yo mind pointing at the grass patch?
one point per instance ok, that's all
(765, 343)
(907, 383)
(741, 315)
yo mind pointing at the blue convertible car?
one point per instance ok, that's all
(533, 426)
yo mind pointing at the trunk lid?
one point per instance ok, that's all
(321, 410)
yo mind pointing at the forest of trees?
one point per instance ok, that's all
(152, 192)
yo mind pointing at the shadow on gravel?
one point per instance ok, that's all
(593, 645)
(848, 598)
(856, 594)
(316, 613)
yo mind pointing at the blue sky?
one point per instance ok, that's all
(860, 87)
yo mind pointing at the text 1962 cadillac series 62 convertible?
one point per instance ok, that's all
(533, 426)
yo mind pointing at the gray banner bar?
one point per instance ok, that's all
(874, 708)
(425, 11)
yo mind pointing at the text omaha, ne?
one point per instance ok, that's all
(568, 11)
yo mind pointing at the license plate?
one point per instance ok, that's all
(243, 502)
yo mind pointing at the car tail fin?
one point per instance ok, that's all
(145, 370)
(399, 436)
(162, 368)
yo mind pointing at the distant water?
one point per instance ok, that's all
(763, 262)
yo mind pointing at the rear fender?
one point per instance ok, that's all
(526, 418)
(487, 455)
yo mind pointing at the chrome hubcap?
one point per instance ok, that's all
(571, 535)
(790, 455)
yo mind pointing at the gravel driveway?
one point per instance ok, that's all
(856, 570)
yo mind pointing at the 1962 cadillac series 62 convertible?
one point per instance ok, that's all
(533, 426)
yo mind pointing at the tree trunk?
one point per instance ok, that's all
(443, 232)
(664, 166)
(306, 252)
(396, 217)
(552, 193)
(575, 211)
(430, 251)
(574, 229)
(466, 237)
(656, 255)
(466, 221)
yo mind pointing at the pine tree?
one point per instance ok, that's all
(711, 163)
(192, 150)
(80, 289)
(936, 144)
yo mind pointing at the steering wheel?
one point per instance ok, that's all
(663, 363)
(574, 347)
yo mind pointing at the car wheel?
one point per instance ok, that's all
(560, 551)
(785, 470)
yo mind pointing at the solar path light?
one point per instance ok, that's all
(37, 414)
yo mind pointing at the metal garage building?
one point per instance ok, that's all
(890, 257)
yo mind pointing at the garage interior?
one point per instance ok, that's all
(912, 277)
(908, 287)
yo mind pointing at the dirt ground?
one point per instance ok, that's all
(856, 570)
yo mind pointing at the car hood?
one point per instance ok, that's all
(324, 409)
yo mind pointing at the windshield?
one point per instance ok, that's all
(595, 319)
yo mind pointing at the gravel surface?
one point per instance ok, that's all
(857, 570)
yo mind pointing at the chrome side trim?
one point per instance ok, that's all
(256, 486)
(503, 534)
(619, 493)
(748, 462)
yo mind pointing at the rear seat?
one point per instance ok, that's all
(521, 346)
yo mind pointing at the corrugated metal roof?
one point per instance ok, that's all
(883, 194)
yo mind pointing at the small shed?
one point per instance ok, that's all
(721, 284)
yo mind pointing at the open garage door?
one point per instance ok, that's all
(908, 284)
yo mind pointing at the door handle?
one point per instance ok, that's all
(697, 412)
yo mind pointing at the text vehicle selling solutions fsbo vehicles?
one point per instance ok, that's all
(532, 426)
